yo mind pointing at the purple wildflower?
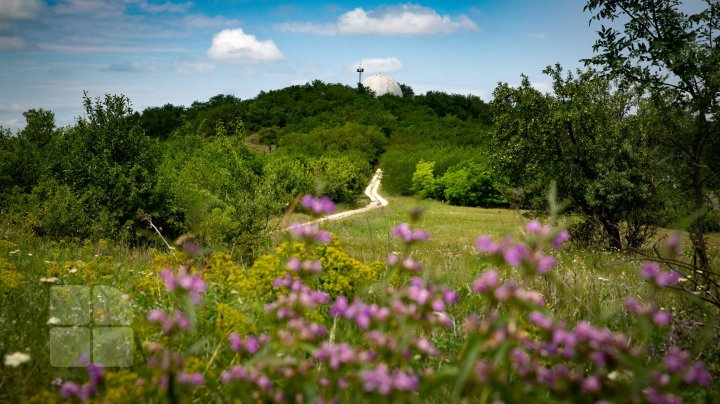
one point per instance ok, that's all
(698, 374)
(540, 320)
(318, 206)
(194, 379)
(534, 227)
(676, 360)
(649, 270)
(335, 354)
(486, 282)
(487, 245)
(69, 389)
(665, 279)
(544, 263)
(591, 384)
(157, 316)
(412, 265)
(661, 318)
(514, 255)
(562, 237)
(408, 235)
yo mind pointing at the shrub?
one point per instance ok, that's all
(465, 184)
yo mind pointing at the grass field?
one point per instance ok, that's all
(594, 284)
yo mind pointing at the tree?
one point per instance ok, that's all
(109, 163)
(581, 138)
(675, 56)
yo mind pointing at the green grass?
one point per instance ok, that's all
(593, 284)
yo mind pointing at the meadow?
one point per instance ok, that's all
(225, 330)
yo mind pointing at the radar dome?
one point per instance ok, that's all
(381, 84)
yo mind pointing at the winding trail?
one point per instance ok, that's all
(376, 201)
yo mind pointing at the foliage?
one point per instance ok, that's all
(470, 184)
(341, 178)
(423, 179)
(214, 187)
(465, 184)
(587, 143)
(368, 141)
(160, 122)
(673, 55)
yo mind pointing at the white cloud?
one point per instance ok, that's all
(12, 42)
(20, 9)
(542, 86)
(537, 35)
(199, 67)
(130, 67)
(408, 19)
(166, 7)
(307, 28)
(377, 65)
(14, 107)
(203, 21)
(96, 7)
(11, 123)
(61, 48)
(234, 45)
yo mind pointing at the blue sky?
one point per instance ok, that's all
(176, 51)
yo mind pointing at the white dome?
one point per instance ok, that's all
(381, 84)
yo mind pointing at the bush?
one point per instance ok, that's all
(341, 178)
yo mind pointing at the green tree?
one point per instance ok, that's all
(423, 179)
(110, 164)
(470, 184)
(675, 56)
(582, 138)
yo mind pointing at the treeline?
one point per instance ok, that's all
(221, 169)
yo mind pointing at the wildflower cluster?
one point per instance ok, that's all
(313, 344)
(86, 391)
(552, 355)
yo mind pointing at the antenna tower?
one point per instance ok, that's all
(360, 71)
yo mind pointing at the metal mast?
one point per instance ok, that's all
(360, 71)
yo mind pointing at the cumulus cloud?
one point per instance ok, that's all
(377, 65)
(408, 19)
(11, 43)
(234, 45)
(307, 28)
(20, 9)
(189, 68)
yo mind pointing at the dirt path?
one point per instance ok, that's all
(376, 201)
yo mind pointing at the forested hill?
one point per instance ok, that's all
(301, 108)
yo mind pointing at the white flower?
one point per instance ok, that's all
(72, 271)
(49, 280)
(53, 321)
(14, 252)
(16, 359)
(29, 254)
